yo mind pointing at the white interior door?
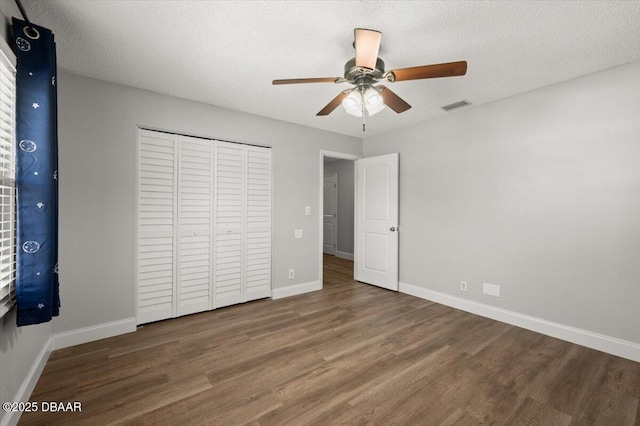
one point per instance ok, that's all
(376, 250)
(258, 224)
(157, 179)
(242, 258)
(228, 224)
(330, 231)
(195, 205)
(204, 225)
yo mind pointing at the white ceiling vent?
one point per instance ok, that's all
(456, 105)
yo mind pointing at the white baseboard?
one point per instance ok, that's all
(95, 332)
(293, 290)
(28, 384)
(611, 345)
(344, 255)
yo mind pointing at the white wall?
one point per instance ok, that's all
(97, 175)
(23, 350)
(538, 193)
(344, 170)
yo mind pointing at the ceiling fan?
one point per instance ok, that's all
(366, 69)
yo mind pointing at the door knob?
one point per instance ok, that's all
(392, 229)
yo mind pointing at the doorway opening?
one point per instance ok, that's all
(337, 198)
(375, 219)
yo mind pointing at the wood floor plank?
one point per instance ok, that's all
(569, 385)
(349, 354)
(482, 335)
(609, 399)
(459, 418)
(532, 412)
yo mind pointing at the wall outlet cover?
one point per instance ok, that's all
(463, 285)
(491, 289)
(297, 233)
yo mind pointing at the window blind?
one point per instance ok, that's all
(7, 184)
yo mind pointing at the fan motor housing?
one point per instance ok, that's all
(353, 73)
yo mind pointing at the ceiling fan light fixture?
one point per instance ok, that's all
(373, 102)
(374, 110)
(353, 103)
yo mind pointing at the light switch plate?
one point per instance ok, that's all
(297, 233)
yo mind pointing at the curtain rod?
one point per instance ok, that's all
(24, 14)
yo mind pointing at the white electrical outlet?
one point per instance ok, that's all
(463, 285)
(291, 273)
(491, 289)
(307, 210)
(297, 234)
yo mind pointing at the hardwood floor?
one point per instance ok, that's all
(349, 354)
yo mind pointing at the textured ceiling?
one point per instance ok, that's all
(226, 53)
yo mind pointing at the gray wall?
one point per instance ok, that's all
(20, 350)
(344, 170)
(19, 347)
(97, 132)
(538, 193)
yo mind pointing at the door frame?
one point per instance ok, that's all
(335, 216)
(342, 156)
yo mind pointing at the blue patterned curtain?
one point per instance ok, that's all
(36, 174)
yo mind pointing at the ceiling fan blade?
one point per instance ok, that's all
(450, 69)
(334, 103)
(367, 43)
(307, 80)
(392, 100)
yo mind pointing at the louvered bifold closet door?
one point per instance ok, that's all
(258, 224)
(157, 177)
(195, 208)
(228, 226)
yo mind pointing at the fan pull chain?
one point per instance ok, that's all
(364, 114)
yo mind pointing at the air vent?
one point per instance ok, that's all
(456, 105)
